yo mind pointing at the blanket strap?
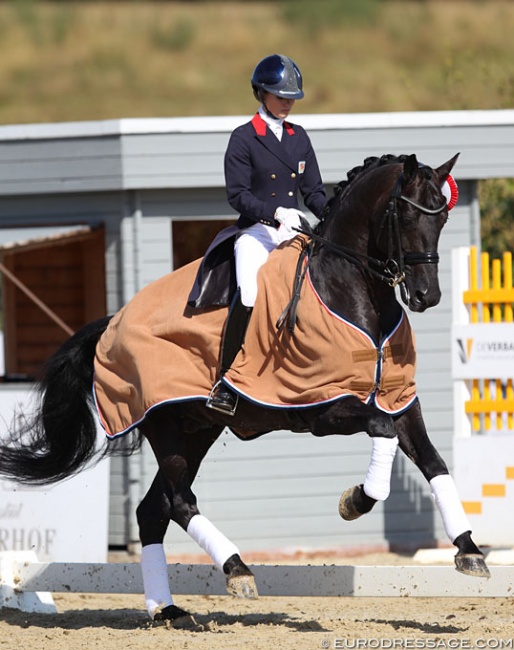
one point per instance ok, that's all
(292, 305)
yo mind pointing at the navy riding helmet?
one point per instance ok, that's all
(279, 75)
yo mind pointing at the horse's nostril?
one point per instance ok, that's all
(425, 298)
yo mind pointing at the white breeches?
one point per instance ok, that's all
(252, 247)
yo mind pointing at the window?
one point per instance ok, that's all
(192, 238)
(50, 277)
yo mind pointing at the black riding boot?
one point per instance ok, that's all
(221, 397)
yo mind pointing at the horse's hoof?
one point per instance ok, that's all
(472, 564)
(242, 586)
(347, 504)
(175, 616)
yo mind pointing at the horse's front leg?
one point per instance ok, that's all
(416, 444)
(350, 416)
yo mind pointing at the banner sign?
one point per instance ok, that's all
(63, 522)
(483, 351)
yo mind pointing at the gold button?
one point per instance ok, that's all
(273, 194)
(273, 176)
(290, 193)
(293, 175)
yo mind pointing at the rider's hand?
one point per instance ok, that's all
(289, 218)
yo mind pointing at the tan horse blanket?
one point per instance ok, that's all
(158, 350)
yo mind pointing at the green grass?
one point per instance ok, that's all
(63, 61)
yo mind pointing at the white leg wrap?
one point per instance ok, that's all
(377, 483)
(446, 498)
(213, 542)
(155, 578)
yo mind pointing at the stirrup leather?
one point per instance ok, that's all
(211, 400)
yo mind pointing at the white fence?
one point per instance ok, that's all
(26, 584)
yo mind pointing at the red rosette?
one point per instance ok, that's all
(450, 191)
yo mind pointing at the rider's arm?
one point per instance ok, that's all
(241, 169)
(311, 185)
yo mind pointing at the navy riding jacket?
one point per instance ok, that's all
(263, 173)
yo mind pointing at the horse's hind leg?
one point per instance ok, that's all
(240, 581)
(179, 456)
(415, 443)
(153, 516)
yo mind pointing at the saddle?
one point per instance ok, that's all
(215, 283)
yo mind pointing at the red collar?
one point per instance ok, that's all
(260, 125)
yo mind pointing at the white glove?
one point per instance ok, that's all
(289, 218)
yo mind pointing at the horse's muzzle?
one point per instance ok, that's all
(420, 296)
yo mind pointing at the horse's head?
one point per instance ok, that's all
(410, 230)
(386, 220)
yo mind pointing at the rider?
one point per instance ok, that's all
(268, 161)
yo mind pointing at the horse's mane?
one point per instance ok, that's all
(372, 162)
(369, 163)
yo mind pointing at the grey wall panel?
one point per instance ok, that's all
(485, 153)
(174, 160)
(188, 204)
(118, 512)
(156, 248)
(178, 144)
(113, 278)
(70, 165)
(61, 208)
(55, 149)
(115, 157)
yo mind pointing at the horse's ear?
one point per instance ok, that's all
(410, 169)
(443, 171)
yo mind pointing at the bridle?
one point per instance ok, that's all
(391, 271)
(394, 269)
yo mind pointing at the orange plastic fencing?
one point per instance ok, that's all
(490, 298)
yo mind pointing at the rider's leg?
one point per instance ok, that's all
(251, 251)
(221, 397)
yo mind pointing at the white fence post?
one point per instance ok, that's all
(11, 595)
(460, 316)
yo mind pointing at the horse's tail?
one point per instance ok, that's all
(61, 437)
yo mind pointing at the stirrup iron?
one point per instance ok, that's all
(211, 404)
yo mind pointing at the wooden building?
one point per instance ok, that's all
(91, 212)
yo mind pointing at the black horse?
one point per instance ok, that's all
(381, 231)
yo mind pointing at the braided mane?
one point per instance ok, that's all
(372, 162)
(369, 163)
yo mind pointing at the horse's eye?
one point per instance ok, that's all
(408, 222)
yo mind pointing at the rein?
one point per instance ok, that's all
(391, 270)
